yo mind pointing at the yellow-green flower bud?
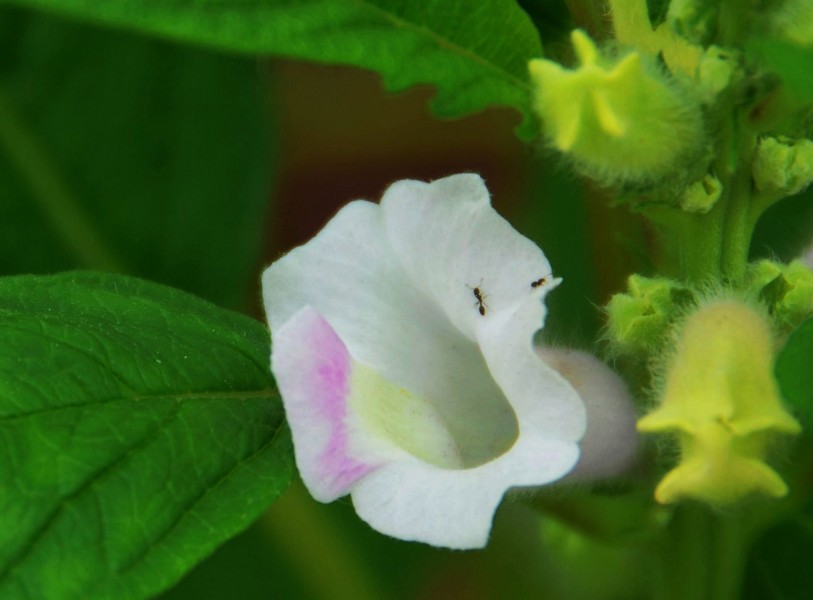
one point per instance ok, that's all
(783, 165)
(716, 70)
(693, 19)
(787, 290)
(620, 120)
(701, 196)
(722, 400)
(638, 321)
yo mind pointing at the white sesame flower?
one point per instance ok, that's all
(402, 347)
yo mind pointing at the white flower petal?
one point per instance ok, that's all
(350, 275)
(313, 371)
(541, 397)
(443, 405)
(412, 500)
(451, 241)
(411, 493)
(447, 234)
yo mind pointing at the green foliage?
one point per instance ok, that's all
(140, 429)
(123, 153)
(779, 566)
(790, 61)
(794, 373)
(556, 219)
(785, 228)
(475, 53)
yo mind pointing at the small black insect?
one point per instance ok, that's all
(481, 299)
(540, 281)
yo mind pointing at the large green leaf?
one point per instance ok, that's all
(475, 53)
(139, 429)
(123, 153)
(794, 370)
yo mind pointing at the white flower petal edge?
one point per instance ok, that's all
(402, 346)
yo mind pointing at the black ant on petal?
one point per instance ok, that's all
(540, 282)
(481, 299)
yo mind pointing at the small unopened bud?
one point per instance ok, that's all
(783, 165)
(716, 70)
(620, 119)
(638, 321)
(610, 444)
(721, 399)
(787, 290)
(702, 195)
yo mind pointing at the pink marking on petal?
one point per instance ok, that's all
(332, 380)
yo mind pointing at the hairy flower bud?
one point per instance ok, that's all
(638, 321)
(620, 119)
(783, 165)
(721, 399)
(702, 195)
(787, 290)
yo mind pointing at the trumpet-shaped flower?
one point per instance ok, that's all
(402, 347)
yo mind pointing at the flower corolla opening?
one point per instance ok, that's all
(402, 348)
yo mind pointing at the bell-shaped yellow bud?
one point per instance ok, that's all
(721, 399)
(620, 120)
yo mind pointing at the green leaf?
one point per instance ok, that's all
(788, 60)
(475, 53)
(794, 373)
(122, 153)
(785, 228)
(779, 566)
(139, 429)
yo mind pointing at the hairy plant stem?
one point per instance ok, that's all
(48, 188)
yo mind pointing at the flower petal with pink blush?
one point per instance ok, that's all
(402, 346)
(313, 375)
